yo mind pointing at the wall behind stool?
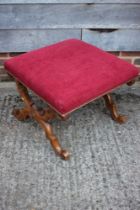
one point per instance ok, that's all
(29, 24)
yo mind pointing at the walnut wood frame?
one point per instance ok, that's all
(42, 116)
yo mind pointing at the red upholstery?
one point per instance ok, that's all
(71, 73)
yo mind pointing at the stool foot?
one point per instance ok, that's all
(64, 154)
(113, 109)
(41, 116)
(21, 114)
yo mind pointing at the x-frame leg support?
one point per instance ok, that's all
(41, 116)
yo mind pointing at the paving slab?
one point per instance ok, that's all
(102, 174)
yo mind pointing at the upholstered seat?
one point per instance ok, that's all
(70, 73)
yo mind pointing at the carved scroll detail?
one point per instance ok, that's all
(21, 114)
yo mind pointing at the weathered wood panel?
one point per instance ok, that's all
(25, 40)
(113, 40)
(66, 1)
(69, 16)
(29, 24)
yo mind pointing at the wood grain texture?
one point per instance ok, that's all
(69, 16)
(113, 40)
(25, 40)
(65, 1)
(110, 40)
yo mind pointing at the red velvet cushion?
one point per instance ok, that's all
(71, 73)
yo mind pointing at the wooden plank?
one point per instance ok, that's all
(113, 40)
(69, 16)
(66, 2)
(25, 40)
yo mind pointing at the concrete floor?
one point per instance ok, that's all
(102, 174)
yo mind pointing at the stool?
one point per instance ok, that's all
(67, 75)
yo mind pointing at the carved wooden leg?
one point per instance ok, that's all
(24, 113)
(64, 154)
(41, 116)
(113, 109)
